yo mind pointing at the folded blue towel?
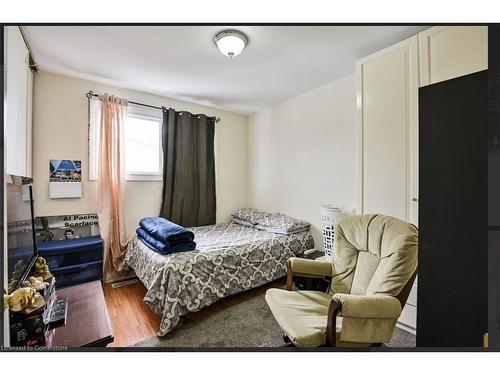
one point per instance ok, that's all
(165, 231)
(161, 247)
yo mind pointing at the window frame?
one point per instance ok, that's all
(94, 140)
(142, 114)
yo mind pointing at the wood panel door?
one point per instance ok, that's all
(448, 52)
(387, 88)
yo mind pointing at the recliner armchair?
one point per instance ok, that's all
(373, 269)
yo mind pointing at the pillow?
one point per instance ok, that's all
(250, 216)
(242, 222)
(281, 231)
(282, 224)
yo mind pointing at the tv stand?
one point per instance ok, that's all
(87, 320)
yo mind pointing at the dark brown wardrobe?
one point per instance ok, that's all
(494, 187)
(453, 217)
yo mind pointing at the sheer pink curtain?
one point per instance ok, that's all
(111, 183)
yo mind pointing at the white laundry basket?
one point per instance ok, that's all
(330, 216)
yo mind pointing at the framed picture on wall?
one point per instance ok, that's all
(65, 178)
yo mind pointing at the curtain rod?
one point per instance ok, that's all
(92, 94)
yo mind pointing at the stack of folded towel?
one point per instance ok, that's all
(165, 237)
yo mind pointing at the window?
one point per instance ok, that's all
(143, 151)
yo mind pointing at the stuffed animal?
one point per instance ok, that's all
(41, 269)
(19, 269)
(20, 299)
(38, 301)
(36, 283)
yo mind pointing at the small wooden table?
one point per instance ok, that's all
(87, 320)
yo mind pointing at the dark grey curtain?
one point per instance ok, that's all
(188, 197)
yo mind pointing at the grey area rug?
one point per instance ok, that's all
(247, 324)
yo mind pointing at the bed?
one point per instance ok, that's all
(229, 258)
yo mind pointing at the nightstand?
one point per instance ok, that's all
(317, 284)
(313, 254)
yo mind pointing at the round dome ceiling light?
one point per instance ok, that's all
(231, 42)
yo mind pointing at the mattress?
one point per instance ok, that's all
(229, 258)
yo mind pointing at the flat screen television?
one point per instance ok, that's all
(21, 245)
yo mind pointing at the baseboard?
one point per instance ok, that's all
(119, 284)
(406, 328)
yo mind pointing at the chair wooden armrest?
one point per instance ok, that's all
(331, 324)
(333, 309)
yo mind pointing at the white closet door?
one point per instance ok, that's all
(387, 131)
(448, 52)
(29, 123)
(16, 101)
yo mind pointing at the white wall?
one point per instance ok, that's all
(302, 153)
(60, 131)
(290, 158)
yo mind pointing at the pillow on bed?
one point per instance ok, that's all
(249, 216)
(241, 222)
(282, 224)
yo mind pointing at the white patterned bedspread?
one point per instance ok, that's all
(229, 258)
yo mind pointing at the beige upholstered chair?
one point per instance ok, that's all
(374, 266)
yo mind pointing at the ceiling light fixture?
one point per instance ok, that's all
(231, 42)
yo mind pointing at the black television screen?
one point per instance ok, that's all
(21, 246)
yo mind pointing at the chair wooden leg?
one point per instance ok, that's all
(289, 275)
(288, 342)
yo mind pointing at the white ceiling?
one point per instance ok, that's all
(183, 62)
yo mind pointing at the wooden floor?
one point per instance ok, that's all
(133, 321)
